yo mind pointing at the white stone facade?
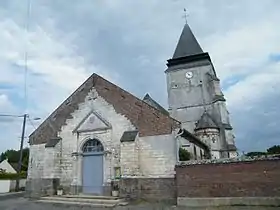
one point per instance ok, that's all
(150, 156)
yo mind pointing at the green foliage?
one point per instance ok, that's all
(254, 154)
(270, 151)
(10, 176)
(13, 157)
(184, 155)
(274, 150)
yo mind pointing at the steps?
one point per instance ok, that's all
(84, 200)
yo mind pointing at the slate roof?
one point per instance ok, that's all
(193, 139)
(129, 136)
(206, 121)
(148, 99)
(187, 44)
(231, 147)
(52, 142)
(148, 120)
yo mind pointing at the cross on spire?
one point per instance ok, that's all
(185, 15)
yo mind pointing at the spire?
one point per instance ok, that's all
(187, 44)
(206, 121)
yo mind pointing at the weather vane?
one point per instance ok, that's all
(185, 15)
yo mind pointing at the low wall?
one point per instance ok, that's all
(230, 179)
(150, 189)
(4, 186)
(22, 184)
(10, 185)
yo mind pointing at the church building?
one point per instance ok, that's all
(102, 133)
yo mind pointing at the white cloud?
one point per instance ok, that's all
(120, 39)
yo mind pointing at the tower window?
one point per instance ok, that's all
(214, 140)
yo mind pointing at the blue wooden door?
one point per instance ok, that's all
(93, 173)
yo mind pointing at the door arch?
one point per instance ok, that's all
(93, 151)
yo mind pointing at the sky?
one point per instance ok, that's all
(128, 43)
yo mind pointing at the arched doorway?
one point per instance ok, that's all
(92, 167)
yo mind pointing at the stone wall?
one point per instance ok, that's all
(157, 156)
(39, 187)
(233, 178)
(64, 161)
(72, 142)
(36, 161)
(149, 189)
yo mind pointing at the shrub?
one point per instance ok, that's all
(184, 155)
(10, 176)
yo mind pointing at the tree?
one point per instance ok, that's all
(274, 149)
(253, 154)
(13, 157)
(184, 155)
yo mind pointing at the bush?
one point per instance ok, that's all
(9, 176)
(184, 155)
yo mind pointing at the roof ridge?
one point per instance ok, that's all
(140, 100)
(54, 122)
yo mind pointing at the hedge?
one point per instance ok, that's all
(10, 176)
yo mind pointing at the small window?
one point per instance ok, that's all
(93, 145)
(214, 140)
(186, 145)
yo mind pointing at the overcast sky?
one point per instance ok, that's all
(128, 42)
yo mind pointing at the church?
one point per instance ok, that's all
(102, 133)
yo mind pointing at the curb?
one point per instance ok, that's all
(11, 195)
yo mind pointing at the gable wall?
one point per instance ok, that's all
(109, 138)
(152, 156)
(7, 167)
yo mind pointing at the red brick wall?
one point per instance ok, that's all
(241, 179)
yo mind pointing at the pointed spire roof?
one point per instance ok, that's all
(206, 121)
(187, 44)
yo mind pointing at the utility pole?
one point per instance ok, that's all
(21, 151)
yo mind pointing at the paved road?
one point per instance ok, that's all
(24, 204)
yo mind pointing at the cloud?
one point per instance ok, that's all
(129, 43)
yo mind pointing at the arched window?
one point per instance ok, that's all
(93, 145)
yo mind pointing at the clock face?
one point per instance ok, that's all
(189, 75)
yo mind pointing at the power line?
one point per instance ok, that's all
(10, 115)
(31, 122)
(26, 56)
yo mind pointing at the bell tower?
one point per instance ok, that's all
(194, 92)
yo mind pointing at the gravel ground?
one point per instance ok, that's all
(25, 204)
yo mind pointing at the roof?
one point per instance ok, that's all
(148, 120)
(187, 44)
(193, 139)
(52, 142)
(206, 121)
(15, 166)
(148, 99)
(231, 147)
(129, 136)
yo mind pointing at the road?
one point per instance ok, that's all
(25, 204)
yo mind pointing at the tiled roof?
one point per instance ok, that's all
(148, 120)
